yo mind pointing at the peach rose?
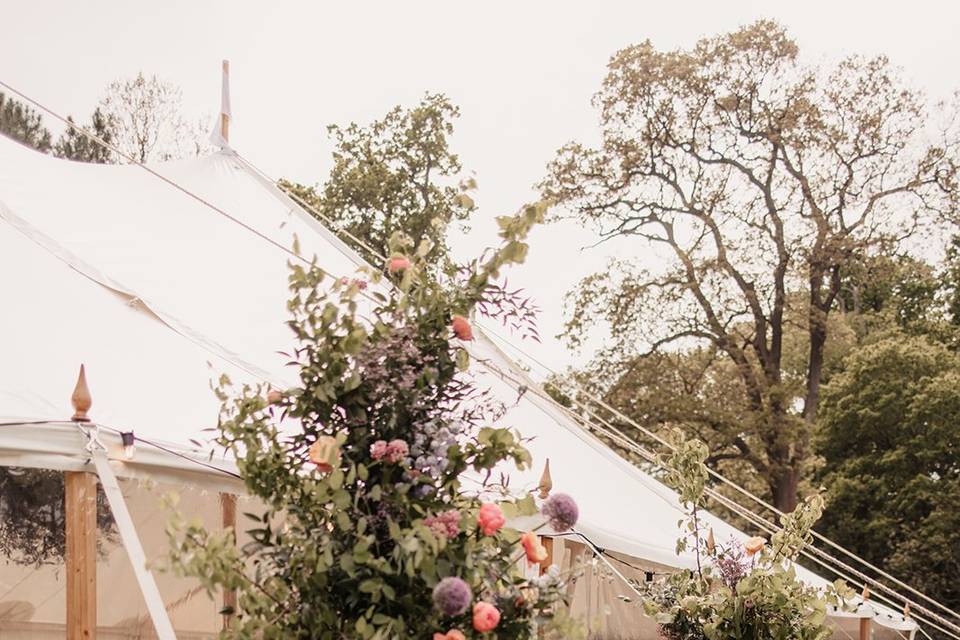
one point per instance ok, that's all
(536, 552)
(490, 518)
(754, 544)
(453, 634)
(486, 617)
(325, 453)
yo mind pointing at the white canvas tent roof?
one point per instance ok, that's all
(158, 293)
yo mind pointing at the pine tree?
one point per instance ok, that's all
(23, 124)
(74, 145)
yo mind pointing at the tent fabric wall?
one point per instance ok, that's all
(159, 293)
(33, 597)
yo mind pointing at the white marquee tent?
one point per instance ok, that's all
(161, 281)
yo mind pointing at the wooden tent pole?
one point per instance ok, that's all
(228, 501)
(80, 490)
(548, 545)
(224, 118)
(228, 511)
(865, 622)
(80, 532)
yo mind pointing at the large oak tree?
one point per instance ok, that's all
(750, 181)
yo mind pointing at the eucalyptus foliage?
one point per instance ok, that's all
(364, 512)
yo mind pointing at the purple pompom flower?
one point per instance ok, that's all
(452, 596)
(561, 512)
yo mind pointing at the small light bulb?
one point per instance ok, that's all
(129, 442)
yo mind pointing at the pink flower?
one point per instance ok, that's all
(357, 282)
(462, 328)
(398, 263)
(490, 518)
(536, 552)
(446, 523)
(274, 396)
(453, 634)
(396, 451)
(486, 617)
(378, 449)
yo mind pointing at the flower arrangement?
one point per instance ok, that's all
(378, 539)
(740, 590)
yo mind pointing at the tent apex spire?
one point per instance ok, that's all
(81, 398)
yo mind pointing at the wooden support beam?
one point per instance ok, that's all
(81, 554)
(577, 552)
(548, 545)
(228, 511)
(864, 628)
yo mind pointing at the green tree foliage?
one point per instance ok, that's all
(891, 448)
(33, 516)
(951, 280)
(368, 485)
(395, 174)
(23, 124)
(74, 145)
(755, 181)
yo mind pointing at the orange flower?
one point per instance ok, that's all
(490, 518)
(754, 544)
(535, 551)
(325, 453)
(398, 263)
(453, 634)
(462, 328)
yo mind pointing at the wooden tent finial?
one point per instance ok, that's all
(906, 609)
(81, 399)
(546, 482)
(866, 592)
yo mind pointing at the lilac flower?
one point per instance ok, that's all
(431, 441)
(561, 512)
(452, 596)
(732, 565)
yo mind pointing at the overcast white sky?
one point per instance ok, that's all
(522, 72)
